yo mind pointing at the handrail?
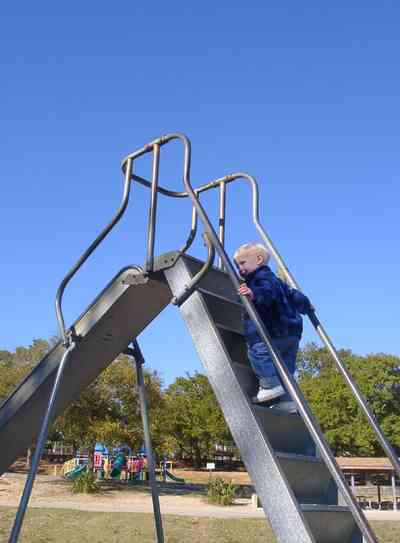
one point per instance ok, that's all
(125, 198)
(190, 287)
(127, 168)
(221, 183)
(288, 380)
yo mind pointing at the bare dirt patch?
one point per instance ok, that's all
(55, 492)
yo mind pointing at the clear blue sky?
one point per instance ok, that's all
(302, 95)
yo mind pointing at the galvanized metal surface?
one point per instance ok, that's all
(309, 479)
(286, 432)
(105, 329)
(265, 470)
(332, 524)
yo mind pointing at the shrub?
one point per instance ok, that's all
(220, 491)
(85, 483)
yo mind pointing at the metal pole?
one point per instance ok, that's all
(192, 233)
(19, 518)
(153, 210)
(222, 209)
(393, 477)
(139, 361)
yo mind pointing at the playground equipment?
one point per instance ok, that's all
(168, 476)
(74, 467)
(302, 489)
(75, 472)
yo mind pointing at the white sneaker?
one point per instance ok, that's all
(268, 394)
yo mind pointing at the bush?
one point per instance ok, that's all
(85, 483)
(220, 491)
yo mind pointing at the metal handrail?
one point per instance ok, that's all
(191, 286)
(288, 380)
(127, 168)
(60, 292)
(221, 183)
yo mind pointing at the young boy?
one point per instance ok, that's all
(279, 307)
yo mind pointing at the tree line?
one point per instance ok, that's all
(186, 420)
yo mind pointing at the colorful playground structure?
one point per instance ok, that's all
(119, 463)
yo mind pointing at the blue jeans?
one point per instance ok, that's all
(264, 367)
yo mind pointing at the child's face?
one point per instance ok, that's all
(248, 260)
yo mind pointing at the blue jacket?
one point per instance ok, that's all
(278, 305)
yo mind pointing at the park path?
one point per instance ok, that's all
(54, 493)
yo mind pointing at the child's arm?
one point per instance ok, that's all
(262, 292)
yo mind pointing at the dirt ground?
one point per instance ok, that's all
(52, 491)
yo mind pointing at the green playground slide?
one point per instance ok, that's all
(173, 478)
(75, 472)
(119, 463)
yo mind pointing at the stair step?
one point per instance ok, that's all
(309, 478)
(234, 303)
(215, 281)
(234, 343)
(224, 312)
(332, 523)
(246, 378)
(285, 431)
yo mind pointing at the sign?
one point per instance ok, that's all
(210, 465)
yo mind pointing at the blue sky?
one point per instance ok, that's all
(303, 96)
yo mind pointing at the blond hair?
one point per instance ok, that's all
(253, 246)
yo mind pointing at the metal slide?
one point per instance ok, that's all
(300, 485)
(116, 317)
(295, 487)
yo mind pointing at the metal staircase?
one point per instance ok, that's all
(301, 487)
(296, 489)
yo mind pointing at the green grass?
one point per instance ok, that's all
(67, 526)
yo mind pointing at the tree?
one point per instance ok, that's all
(195, 422)
(345, 427)
(108, 410)
(15, 365)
